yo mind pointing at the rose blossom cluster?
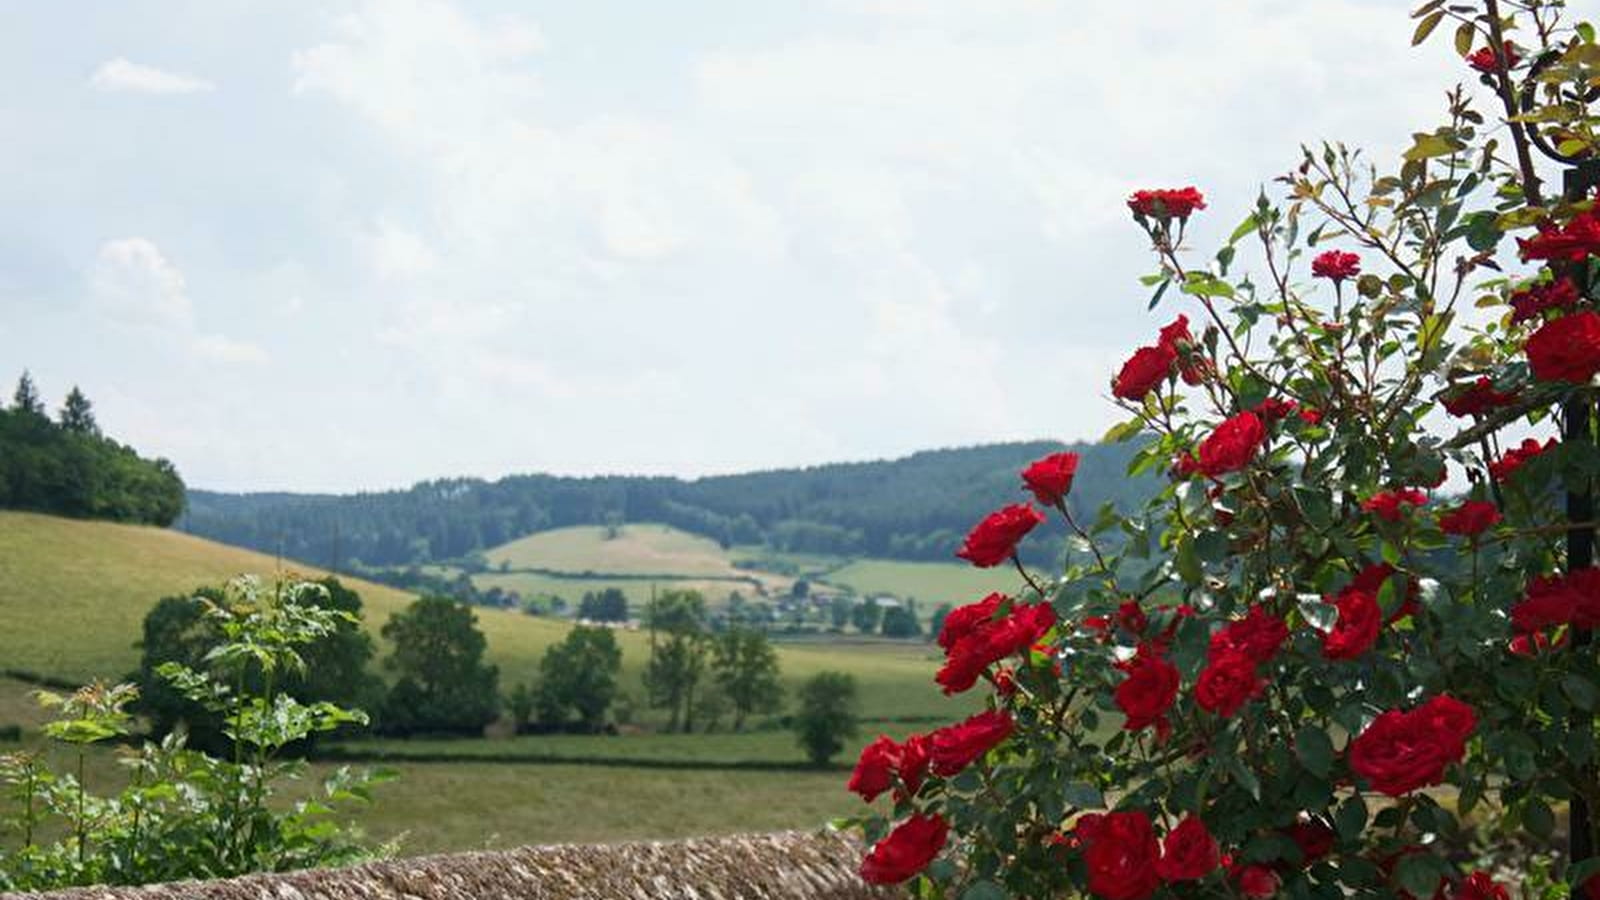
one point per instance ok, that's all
(1126, 858)
(1174, 353)
(1174, 703)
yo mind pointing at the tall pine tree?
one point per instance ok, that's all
(26, 399)
(77, 414)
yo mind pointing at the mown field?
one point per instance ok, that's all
(698, 563)
(633, 549)
(929, 583)
(637, 590)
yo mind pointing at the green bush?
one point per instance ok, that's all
(183, 813)
(827, 715)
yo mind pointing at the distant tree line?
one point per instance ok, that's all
(64, 465)
(440, 682)
(912, 508)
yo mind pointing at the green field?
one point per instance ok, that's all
(73, 595)
(931, 583)
(633, 549)
(652, 549)
(480, 805)
(534, 584)
(774, 747)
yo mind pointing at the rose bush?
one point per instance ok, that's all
(1342, 653)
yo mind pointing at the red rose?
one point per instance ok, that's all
(1185, 465)
(963, 620)
(1570, 600)
(1149, 690)
(1176, 335)
(1050, 478)
(1566, 349)
(1172, 203)
(1371, 580)
(1578, 240)
(874, 771)
(1274, 408)
(991, 641)
(954, 747)
(1314, 838)
(1233, 445)
(1470, 519)
(1311, 416)
(1386, 504)
(1188, 853)
(1484, 59)
(1476, 399)
(1513, 459)
(1356, 630)
(914, 760)
(1480, 886)
(1130, 615)
(1122, 854)
(906, 851)
(1257, 636)
(1403, 751)
(1336, 265)
(994, 540)
(1256, 880)
(1144, 370)
(1227, 683)
(1192, 367)
(1533, 302)
(1528, 645)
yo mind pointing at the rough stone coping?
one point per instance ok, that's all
(799, 865)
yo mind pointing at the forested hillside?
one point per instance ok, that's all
(917, 507)
(66, 466)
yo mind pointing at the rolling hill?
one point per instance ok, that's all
(73, 594)
(913, 508)
(637, 558)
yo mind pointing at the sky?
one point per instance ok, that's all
(354, 244)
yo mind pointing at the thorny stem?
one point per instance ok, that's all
(1026, 577)
(1508, 99)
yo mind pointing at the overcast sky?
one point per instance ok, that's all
(350, 245)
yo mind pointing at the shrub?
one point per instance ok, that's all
(183, 813)
(180, 630)
(1304, 669)
(827, 715)
(444, 686)
(578, 679)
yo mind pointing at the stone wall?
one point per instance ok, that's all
(797, 865)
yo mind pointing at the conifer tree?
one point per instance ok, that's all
(77, 414)
(26, 398)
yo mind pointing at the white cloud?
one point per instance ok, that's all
(123, 75)
(829, 230)
(394, 251)
(134, 283)
(222, 349)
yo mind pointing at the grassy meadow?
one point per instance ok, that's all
(636, 549)
(73, 595)
(545, 563)
(637, 590)
(931, 583)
